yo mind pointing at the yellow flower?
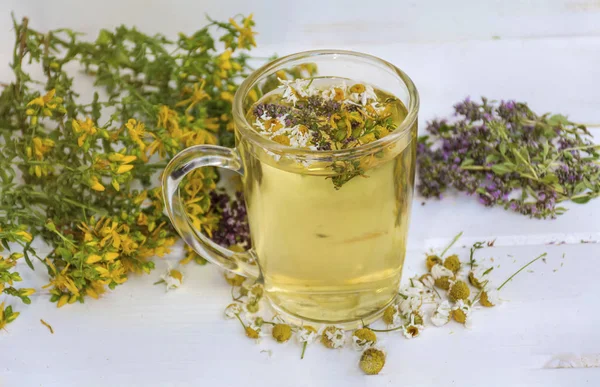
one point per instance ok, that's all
(136, 132)
(93, 258)
(42, 101)
(227, 96)
(198, 94)
(62, 281)
(168, 119)
(41, 147)
(95, 184)
(25, 235)
(225, 61)
(124, 168)
(86, 127)
(246, 38)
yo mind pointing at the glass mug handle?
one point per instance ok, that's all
(184, 162)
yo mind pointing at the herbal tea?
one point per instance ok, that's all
(330, 237)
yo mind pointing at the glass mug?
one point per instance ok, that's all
(323, 254)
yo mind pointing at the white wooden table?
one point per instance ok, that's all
(547, 54)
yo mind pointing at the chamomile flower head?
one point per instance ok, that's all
(252, 333)
(333, 337)
(307, 334)
(234, 279)
(252, 305)
(461, 313)
(432, 260)
(459, 290)
(438, 271)
(294, 90)
(372, 361)
(441, 315)
(409, 304)
(257, 290)
(391, 315)
(281, 332)
(172, 278)
(477, 277)
(443, 283)
(489, 298)
(412, 329)
(452, 263)
(427, 280)
(233, 310)
(363, 338)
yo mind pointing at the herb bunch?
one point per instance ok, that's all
(83, 175)
(508, 156)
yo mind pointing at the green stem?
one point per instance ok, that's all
(520, 270)
(451, 243)
(303, 350)
(388, 330)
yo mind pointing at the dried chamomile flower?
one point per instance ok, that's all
(256, 290)
(372, 361)
(443, 283)
(489, 298)
(307, 334)
(441, 315)
(452, 263)
(333, 337)
(233, 310)
(427, 280)
(438, 271)
(253, 305)
(442, 276)
(477, 277)
(391, 315)
(234, 279)
(281, 332)
(409, 304)
(252, 333)
(363, 338)
(461, 313)
(412, 329)
(459, 290)
(172, 278)
(417, 317)
(431, 261)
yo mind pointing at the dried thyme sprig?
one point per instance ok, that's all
(507, 155)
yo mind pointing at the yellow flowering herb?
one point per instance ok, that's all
(88, 188)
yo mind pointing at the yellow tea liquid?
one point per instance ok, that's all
(331, 255)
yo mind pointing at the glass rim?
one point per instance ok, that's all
(246, 131)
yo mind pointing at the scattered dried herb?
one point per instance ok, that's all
(506, 155)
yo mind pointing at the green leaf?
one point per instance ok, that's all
(26, 255)
(492, 158)
(501, 169)
(467, 162)
(502, 148)
(581, 200)
(558, 119)
(550, 178)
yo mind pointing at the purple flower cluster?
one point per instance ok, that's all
(491, 149)
(233, 226)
